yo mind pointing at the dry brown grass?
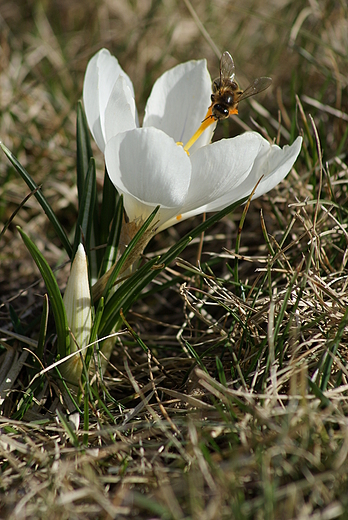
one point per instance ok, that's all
(239, 408)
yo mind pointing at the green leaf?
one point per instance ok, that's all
(107, 210)
(124, 297)
(177, 248)
(110, 254)
(134, 334)
(131, 253)
(86, 210)
(83, 150)
(63, 339)
(325, 402)
(221, 371)
(43, 328)
(195, 356)
(332, 350)
(41, 200)
(94, 331)
(86, 419)
(129, 291)
(16, 322)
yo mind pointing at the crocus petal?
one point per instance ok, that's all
(272, 164)
(220, 167)
(217, 171)
(179, 101)
(120, 113)
(279, 163)
(101, 75)
(149, 169)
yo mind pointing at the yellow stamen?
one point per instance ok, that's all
(178, 217)
(179, 143)
(207, 121)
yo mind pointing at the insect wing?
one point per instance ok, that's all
(258, 85)
(227, 68)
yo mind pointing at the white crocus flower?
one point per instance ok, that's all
(161, 163)
(77, 302)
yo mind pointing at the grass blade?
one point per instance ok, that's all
(63, 339)
(40, 198)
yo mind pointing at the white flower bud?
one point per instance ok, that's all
(77, 301)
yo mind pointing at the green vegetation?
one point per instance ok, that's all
(226, 392)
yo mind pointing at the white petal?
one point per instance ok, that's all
(279, 163)
(120, 113)
(149, 169)
(77, 300)
(219, 168)
(101, 75)
(273, 163)
(91, 100)
(179, 102)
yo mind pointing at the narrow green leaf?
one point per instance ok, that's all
(96, 321)
(86, 210)
(107, 210)
(102, 405)
(332, 350)
(83, 150)
(283, 308)
(134, 334)
(110, 254)
(129, 252)
(195, 356)
(41, 199)
(43, 328)
(86, 419)
(318, 393)
(123, 298)
(63, 339)
(94, 331)
(220, 370)
(70, 395)
(129, 291)
(16, 322)
(18, 208)
(177, 248)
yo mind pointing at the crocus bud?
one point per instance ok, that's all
(77, 301)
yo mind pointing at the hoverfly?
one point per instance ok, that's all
(226, 92)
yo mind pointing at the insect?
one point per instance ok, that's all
(226, 92)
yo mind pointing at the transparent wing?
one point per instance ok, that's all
(227, 68)
(258, 85)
